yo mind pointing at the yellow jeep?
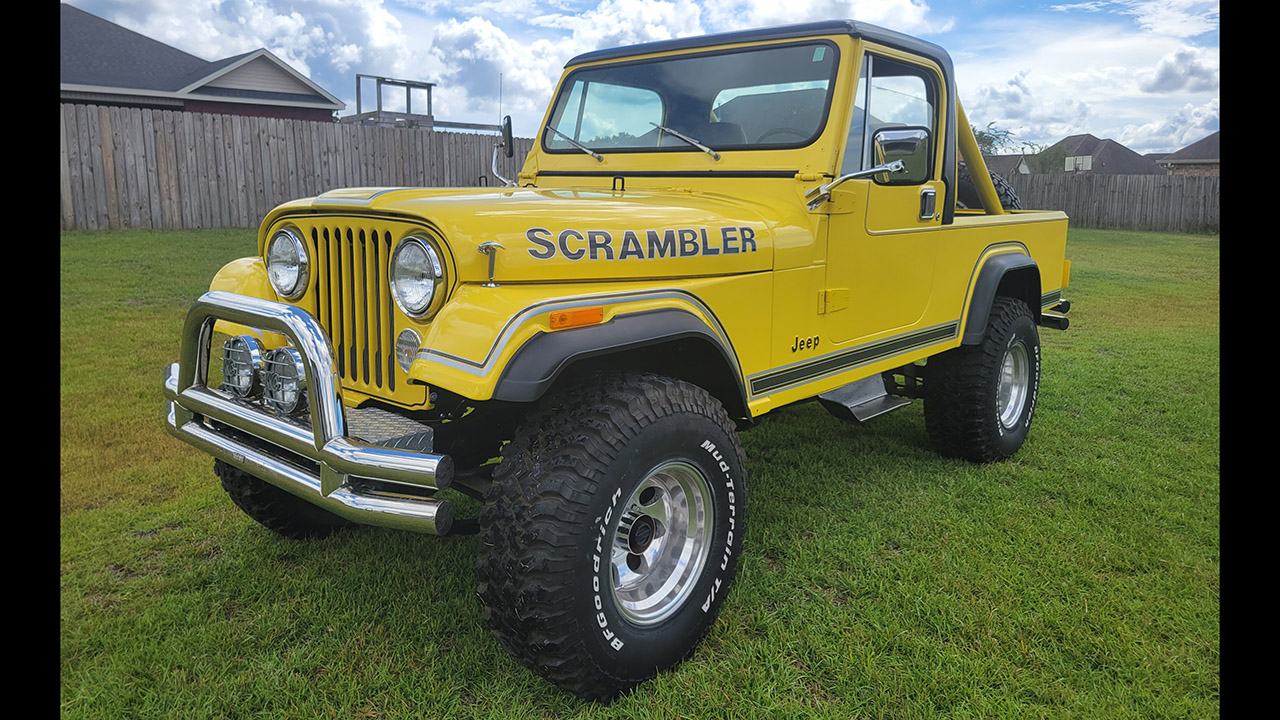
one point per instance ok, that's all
(707, 229)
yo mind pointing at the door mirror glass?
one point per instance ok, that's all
(908, 144)
(508, 145)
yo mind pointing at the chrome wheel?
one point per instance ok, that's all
(1015, 381)
(661, 542)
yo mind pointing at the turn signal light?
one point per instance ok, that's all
(576, 318)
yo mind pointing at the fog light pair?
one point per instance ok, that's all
(277, 375)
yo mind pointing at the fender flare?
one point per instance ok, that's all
(540, 361)
(1012, 274)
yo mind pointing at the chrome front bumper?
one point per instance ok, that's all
(319, 464)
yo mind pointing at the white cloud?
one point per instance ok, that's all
(1015, 105)
(1185, 126)
(1188, 68)
(906, 16)
(1100, 66)
(1173, 18)
(626, 22)
(1083, 73)
(1177, 18)
(474, 53)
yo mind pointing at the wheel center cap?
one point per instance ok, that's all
(641, 535)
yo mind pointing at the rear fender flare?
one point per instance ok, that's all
(1010, 274)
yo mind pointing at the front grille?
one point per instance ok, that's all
(353, 303)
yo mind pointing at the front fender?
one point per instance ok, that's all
(471, 347)
(246, 276)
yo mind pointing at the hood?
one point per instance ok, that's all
(577, 234)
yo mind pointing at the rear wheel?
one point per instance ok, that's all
(980, 399)
(611, 532)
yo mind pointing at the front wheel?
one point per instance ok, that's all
(612, 531)
(980, 399)
(275, 509)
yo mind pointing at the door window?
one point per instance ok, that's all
(890, 94)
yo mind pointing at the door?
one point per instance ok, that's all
(881, 243)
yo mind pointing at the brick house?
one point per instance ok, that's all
(1199, 158)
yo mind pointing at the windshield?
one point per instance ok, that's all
(755, 98)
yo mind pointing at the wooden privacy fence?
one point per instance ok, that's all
(1163, 203)
(141, 168)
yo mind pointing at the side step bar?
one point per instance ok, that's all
(862, 400)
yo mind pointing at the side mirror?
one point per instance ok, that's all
(910, 146)
(508, 144)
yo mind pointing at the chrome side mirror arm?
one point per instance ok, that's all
(494, 169)
(822, 193)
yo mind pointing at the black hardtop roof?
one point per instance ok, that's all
(826, 27)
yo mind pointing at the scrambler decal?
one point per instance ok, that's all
(669, 243)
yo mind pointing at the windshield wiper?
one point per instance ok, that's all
(577, 144)
(689, 140)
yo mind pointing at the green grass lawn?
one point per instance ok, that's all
(1080, 579)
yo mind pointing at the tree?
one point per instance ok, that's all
(1043, 158)
(992, 139)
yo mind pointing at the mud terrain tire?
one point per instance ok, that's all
(980, 399)
(276, 509)
(611, 531)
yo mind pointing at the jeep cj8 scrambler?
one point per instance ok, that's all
(707, 229)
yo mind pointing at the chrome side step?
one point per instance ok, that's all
(862, 400)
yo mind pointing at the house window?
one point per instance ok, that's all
(1079, 162)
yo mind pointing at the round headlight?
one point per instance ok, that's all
(284, 381)
(416, 276)
(287, 263)
(241, 361)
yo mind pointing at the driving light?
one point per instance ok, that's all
(284, 381)
(241, 362)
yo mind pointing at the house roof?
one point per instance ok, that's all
(1003, 165)
(1108, 156)
(1204, 150)
(103, 58)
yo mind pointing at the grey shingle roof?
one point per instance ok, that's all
(98, 52)
(1205, 149)
(1002, 165)
(101, 58)
(1109, 156)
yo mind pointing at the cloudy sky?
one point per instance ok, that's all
(1142, 72)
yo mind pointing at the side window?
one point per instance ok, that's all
(604, 115)
(890, 94)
